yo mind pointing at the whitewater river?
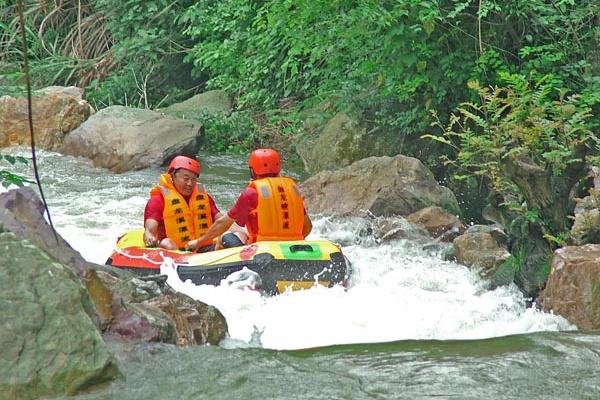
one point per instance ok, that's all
(410, 326)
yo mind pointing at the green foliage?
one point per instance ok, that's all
(64, 40)
(422, 54)
(389, 62)
(267, 51)
(148, 69)
(523, 124)
(537, 121)
(225, 132)
(232, 133)
(128, 52)
(8, 178)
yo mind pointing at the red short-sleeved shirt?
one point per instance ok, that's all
(240, 212)
(155, 207)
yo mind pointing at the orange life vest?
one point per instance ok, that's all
(183, 220)
(280, 210)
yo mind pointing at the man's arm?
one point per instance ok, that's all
(150, 232)
(153, 219)
(217, 228)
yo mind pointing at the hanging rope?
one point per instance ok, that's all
(29, 115)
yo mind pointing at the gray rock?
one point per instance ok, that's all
(338, 142)
(49, 344)
(586, 227)
(122, 138)
(385, 186)
(438, 222)
(138, 310)
(22, 212)
(484, 247)
(133, 308)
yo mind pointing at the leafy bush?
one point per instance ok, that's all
(129, 51)
(229, 132)
(8, 178)
(527, 142)
(389, 62)
(147, 65)
(367, 51)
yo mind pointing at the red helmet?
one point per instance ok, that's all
(184, 162)
(264, 162)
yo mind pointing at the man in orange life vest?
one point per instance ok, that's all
(271, 207)
(179, 208)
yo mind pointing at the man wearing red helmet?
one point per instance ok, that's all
(179, 208)
(271, 207)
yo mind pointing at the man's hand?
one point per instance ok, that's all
(150, 232)
(149, 239)
(192, 245)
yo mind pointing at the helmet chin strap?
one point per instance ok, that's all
(252, 174)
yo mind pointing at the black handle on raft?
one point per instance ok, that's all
(295, 248)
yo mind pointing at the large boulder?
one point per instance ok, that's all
(56, 111)
(211, 102)
(385, 186)
(338, 142)
(573, 288)
(49, 344)
(121, 138)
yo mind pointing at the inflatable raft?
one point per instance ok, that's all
(280, 265)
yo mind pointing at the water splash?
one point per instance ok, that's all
(397, 293)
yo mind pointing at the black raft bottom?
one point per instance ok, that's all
(276, 275)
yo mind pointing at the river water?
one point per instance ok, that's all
(410, 325)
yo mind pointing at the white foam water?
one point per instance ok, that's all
(396, 293)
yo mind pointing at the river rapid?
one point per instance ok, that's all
(410, 325)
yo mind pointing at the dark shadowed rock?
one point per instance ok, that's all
(385, 186)
(140, 310)
(573, 288)
(122, 138)
(49, 344)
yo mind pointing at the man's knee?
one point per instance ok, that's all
(168, 244)
(231, 240)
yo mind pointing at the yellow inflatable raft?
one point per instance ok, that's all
(280, 265)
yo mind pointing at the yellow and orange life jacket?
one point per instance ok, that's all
(183, 220)
(280, 210)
